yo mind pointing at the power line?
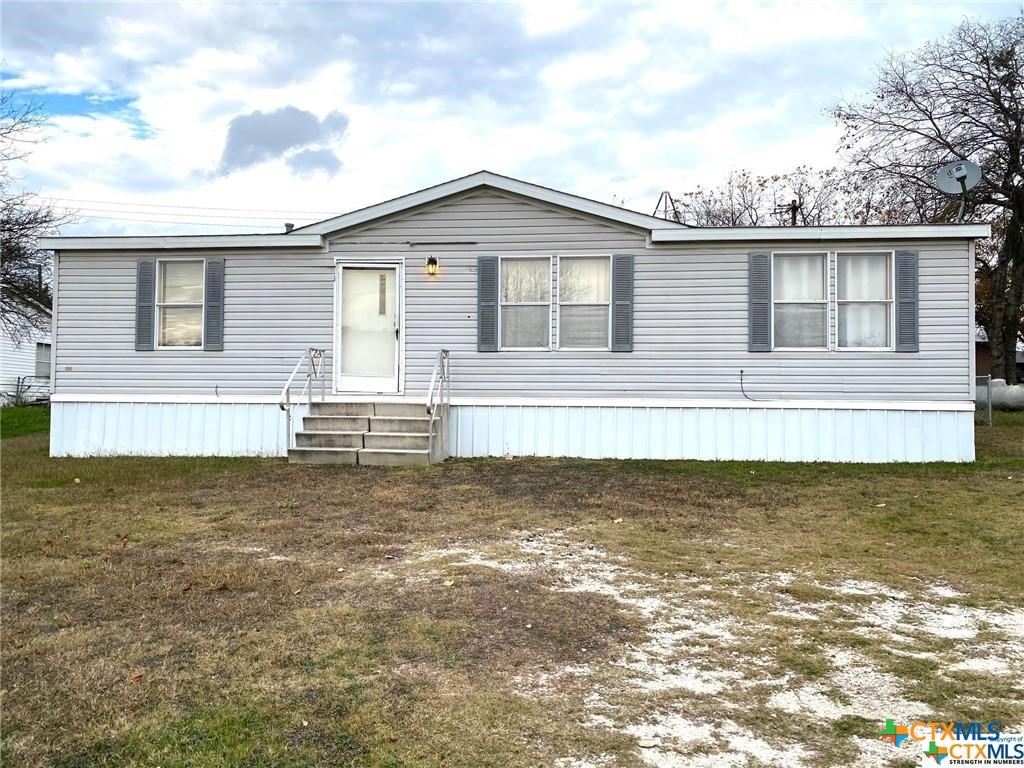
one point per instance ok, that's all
(171, 221)
(198, 207)
(190, 213)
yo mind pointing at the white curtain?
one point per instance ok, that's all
(864, 277)
(800, 277)
(864, 325)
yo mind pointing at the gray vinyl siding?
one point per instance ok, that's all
(275, 305)
(690, 317)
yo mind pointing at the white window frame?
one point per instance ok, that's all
(825, 301)
(49, 359)
(559, 303)
(891, 255)
(548, 304)
(158, 305)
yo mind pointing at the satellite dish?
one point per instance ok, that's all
(956, 178)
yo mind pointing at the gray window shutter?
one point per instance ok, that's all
(487, 304)
(213, 335)
(622, 303)
(759, 301)
(145, 298)
(906, 301)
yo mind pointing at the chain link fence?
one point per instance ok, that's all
(983, 399)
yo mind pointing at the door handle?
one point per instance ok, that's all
(396, 334)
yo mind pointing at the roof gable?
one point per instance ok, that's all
(479, 180)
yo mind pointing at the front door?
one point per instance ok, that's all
(369, 334)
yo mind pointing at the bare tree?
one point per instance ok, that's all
(809, 196)
(958, 98)
(24, 268)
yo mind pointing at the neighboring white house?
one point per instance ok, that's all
(569, 327)
(25, 361)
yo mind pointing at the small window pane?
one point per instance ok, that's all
(583, 326)
(181, 326)
(43, 360)
(800, 277)
(585, 281)
(181, 282)
(524, 326)
(525, 280)
(863, 325)
(799, 325)
(864, 276)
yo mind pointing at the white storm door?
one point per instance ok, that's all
(369, 319)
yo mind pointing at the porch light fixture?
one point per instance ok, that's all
(431, 265)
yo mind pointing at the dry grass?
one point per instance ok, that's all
(192, 611)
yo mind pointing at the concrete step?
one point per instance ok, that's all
(406, 424)
(311, 439)
(399, 409)
(335, 423)
(341, 409)
(387, 457)
(323, 455)
(397, 440)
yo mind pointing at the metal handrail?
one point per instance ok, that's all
(440, 383)
(316, 368)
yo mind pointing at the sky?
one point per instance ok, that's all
(240, 116)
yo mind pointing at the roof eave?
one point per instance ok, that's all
(821, 234)
(184, 242)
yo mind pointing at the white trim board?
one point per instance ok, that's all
(569, 402)
(819, 234)
(181, 242)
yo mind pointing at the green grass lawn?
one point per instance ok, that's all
(227, 612)
(18, 420)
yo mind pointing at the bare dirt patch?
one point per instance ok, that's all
(709, 655)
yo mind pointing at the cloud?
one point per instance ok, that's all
(210, 104)
(309, 161)
(260, 136)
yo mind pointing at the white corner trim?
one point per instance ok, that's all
(182, 242)
(577, 402)
(871, 232)
(484, 179)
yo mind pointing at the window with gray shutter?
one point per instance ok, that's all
(213, 338)
(907, 301)
(145, 294)
(487, 304)
(622, 303)
(759, 301)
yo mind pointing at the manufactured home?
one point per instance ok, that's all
(25, 351)
(487, 316)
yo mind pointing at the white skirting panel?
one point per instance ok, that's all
(708, 432)
(168, 429)
(711, 433)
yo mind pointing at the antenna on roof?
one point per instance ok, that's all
(667, 208)
(792, 208)
(955, 179)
